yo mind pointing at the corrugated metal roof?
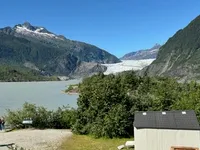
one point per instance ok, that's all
(167, 120)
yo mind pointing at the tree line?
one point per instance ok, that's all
(107, 103)
(62, 118)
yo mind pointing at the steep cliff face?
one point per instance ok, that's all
(26, 44)
(180, 56)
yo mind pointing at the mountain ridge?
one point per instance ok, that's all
(49, 52)
(142, 54)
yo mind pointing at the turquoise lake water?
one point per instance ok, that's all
(48, 94)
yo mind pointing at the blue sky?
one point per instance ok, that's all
(118, 26)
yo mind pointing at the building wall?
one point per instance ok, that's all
(159, 139)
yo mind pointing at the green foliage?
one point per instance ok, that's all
(190, 98)
(62, 118)
(69, 88)
(104, 106)
(107, 103)
(16, 74)
(72, 88)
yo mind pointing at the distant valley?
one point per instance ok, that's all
(135, 61)
(32, 53)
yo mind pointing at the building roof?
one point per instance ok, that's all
(185, 120)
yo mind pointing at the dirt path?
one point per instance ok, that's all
(35, 139)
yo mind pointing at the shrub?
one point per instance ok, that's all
(107, 103)
(62, 118)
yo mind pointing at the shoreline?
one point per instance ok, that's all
(70, 93)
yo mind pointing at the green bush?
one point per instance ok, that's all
(62, 118)
(104, 107)
(107, 103)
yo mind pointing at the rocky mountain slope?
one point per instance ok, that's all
(180, 56)
(39, 49)
(143, 54)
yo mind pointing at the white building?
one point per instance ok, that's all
(169, 130)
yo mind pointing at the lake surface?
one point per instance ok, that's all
(48, 94)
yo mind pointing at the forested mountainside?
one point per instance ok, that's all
(45, 51)
(179, 57)
(20, 74)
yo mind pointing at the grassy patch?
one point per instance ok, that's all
(82, 142)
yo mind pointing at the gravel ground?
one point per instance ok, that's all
(32, 139)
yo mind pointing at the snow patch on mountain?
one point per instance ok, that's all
(39, 29)
(127, 65)
(23, 30)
